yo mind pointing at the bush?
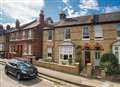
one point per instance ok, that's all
(109, 63)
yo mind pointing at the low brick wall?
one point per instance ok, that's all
(57, 67)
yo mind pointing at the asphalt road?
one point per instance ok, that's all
(10, 81)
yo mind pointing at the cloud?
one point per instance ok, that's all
(109, 9)
(84, 7)
(24, 10)
(88, 4)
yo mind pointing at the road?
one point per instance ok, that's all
(10, 81)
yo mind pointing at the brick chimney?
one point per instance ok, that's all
(41, 17)
(8, 27)
(17, 24)
(62, 15)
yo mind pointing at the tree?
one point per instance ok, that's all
(110, 63)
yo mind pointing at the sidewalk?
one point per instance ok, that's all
(78, 80)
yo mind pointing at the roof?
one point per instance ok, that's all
(102, 18)
(29, 25)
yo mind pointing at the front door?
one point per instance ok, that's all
(97, 57)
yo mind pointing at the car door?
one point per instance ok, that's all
(13, 68)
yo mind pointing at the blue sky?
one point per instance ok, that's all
(28, 10)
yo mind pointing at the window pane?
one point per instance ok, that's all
(118, 30)
(85, 32)
(98, 31)
(49, 34)
(67, 34)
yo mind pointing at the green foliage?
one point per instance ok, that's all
(79, 57)
(109, 63)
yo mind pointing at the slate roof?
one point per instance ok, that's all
(102, 18)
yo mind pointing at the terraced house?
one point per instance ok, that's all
(2, 42)
(26, 40)
(96, 35)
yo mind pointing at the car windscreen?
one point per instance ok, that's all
(22, 64)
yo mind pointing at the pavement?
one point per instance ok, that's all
(78, 80)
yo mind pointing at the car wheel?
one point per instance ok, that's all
(18, 76)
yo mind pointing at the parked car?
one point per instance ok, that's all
(21, 69)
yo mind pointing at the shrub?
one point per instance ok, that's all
(109, 63)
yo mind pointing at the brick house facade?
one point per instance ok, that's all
(2, 42)
(26, 40)
(97, 34)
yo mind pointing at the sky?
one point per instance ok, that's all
(28, 10)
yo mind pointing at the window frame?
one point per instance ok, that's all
(118, 30)
(95, 29)
(83, 29)
(65, 34)
(50, 32)
(48, 52)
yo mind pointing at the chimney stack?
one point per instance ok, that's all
(41, 17)
(17, 24)
(8, 27)
(62, 15)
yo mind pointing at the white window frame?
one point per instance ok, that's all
(65, 50)
(49, 50)
(98, 31)
(83, 29)
(30, 34)
(118, 37)
(65, 32)
(30, 49)
(49, 34)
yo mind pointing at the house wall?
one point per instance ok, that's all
(109, 35)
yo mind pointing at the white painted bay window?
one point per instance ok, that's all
(66, 54)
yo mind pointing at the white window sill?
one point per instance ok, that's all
(67, 39)
(99, 38)
(85, 38)
(49, 40)
(49, 57)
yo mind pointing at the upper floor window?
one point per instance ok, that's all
(30, 34)
(86, 33)
(98, 31)
(118, 30)
(50, 34)
(67, 34)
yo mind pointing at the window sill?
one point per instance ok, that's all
(98, 38)
(86, 39)
(49, 40)
(67, 39)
